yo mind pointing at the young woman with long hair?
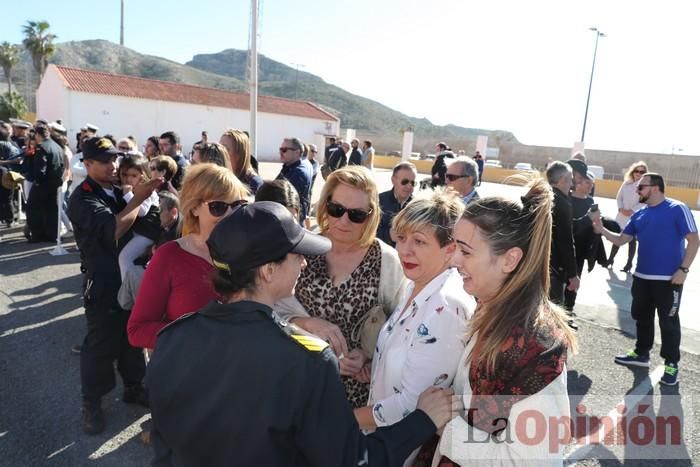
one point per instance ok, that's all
(515, 358)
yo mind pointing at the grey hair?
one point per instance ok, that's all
(296, 142)
(556, 171)
(468, 165)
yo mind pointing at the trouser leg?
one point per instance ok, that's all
(666, 294)
(556, 289)
(643, 313)
(130, 362)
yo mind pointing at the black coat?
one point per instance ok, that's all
(562, 261)
(234, 385)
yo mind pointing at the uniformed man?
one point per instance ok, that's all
(234, 385)
(47, 176)
(101, 219)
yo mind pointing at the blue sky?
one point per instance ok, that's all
(511, 65)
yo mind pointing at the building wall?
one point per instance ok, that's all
(141, 118)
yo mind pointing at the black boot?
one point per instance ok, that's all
(135, 394)
(93, 418)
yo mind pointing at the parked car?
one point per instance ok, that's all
(597, 171)
(394, 153)
(523, 166)
(493, 163)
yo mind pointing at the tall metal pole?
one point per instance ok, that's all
(121, 29)
(253, 52)
(598, 35)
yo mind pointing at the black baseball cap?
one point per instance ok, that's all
(98, 148)
(578, 166)
(259, 233)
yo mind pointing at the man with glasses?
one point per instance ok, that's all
(462, 176)
(403, 181)
(662, 230)
(298, 172)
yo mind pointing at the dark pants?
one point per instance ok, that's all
(106, 341)
(631, 250)
(557, 285)
(657, 296)
(42, 213)
(582, 247)
(6, 213)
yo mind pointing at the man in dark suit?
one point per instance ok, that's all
(563, 270)
(47, 173)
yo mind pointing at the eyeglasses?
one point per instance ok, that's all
(406, 181)
(124, 148)
(638, 171)
(356, 216)
(641, 187)
(219, 208)
(452, 177)
(283, 150)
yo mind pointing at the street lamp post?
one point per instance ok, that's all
(296, 79)
(598, 35)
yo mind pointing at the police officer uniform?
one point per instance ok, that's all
(47, 175)
(92, 212)
(235, 385)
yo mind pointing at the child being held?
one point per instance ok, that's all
(165, 167)
(133, 170)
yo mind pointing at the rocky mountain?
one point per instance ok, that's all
(227, 70)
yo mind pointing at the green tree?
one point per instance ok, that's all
(12, 105)
(9, 58)
(39, 42)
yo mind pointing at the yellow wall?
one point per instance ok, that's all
(604, 188)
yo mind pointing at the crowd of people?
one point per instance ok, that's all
(406, 324)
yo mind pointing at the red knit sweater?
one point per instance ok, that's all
(176, 282)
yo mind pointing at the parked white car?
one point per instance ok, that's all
(523, 166)
(493, 163)
(597, 171)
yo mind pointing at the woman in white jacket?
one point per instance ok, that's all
(627, 204)
(514, 365)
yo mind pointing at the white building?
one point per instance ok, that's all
(125, 105)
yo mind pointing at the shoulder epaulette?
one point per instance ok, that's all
(179, 320)
(309, 341)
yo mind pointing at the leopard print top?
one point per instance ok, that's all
(343, 305)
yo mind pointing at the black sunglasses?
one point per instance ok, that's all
(283, 150)
(639, 171)
(357, 216)
(452, 177)
(219, 208)
(406, 181)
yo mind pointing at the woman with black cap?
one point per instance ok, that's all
(235, 385)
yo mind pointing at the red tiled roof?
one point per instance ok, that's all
(98, 82)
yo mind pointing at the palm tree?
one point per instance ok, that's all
(39, 42)
(9, 58)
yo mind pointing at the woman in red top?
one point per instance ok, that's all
(177, 280)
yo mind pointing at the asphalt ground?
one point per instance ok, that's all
(41, 317)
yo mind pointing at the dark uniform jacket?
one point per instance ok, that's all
(563, 258)
(92, 213)
(47, 168)
(232, 385)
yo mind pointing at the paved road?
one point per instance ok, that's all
(41, 317)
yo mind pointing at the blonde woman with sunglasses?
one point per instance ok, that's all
(339, 291)
(176, 281)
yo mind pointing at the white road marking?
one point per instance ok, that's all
(635, 396)
(119, 439)
(60, 450)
